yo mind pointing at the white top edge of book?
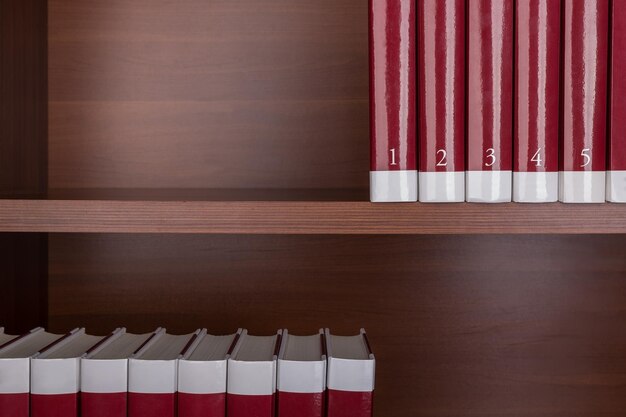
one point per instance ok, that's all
(122, 347)
(212, 348)
(302, 348)
(166, 347)
(29, 345)
(348, 347)
(75, 347)
(256, 348)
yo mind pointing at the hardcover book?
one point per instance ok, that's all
(537, 77)
(350, 379)
(251, 383)
(393, 170)
(490, 101)
(202, 376)
(441, 92)
(302, 375)
(582, 173)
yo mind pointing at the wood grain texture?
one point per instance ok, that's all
(23, 168)
(205, 94)
(461, 326)
(23, 98)
(306, 217)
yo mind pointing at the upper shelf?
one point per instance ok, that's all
(291, 212)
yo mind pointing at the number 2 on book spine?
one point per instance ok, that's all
(393, 157)
(443, 160)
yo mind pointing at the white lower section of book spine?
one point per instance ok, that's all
(152, 377)
(616, 186)
(202, 377)
(582, 186)
(442, 187)
(104, 376)
(535, 187)
(14, 376)
(55, 376)
(393, 186)
(351, 375)
(489, 186)
(301, 376)
(251, 378)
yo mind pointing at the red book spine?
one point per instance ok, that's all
(349, 404)
(300, 404)
(585, 70)
(441, 91)
(201, 405)
(16, 405)
(151, 404)
(393, 171)
(616, 175)
(537, 77)
(250, 405)
(490, 101)
(54, 405)
(103, 404)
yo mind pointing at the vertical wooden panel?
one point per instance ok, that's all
(23, 157)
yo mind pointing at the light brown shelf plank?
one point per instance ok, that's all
(293, 217)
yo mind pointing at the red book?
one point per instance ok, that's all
(582, 169)
(350, 379)
(393, 171)
(251, 385)
(152, 375)
(54, 385)
(537, 77)
(490, 101)
(15, 354)
(302, 376)
(441, 81)
(104, 374)
(202, 376)
(616, 174)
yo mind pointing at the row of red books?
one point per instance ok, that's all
(163, 375)
(498, 100)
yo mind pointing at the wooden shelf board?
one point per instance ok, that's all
(265, 216)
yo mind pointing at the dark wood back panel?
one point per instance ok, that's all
(208, 93)
(461, 325)
(23, 98)
(23, 169)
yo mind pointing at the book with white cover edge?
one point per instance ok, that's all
(256, 376)
(203, 367)
(302, 372)
(350, 373)
(151, 371)
(15, 354)
(301, 383)
(104, 368)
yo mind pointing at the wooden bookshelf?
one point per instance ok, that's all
(267, 216)
(205, 164)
